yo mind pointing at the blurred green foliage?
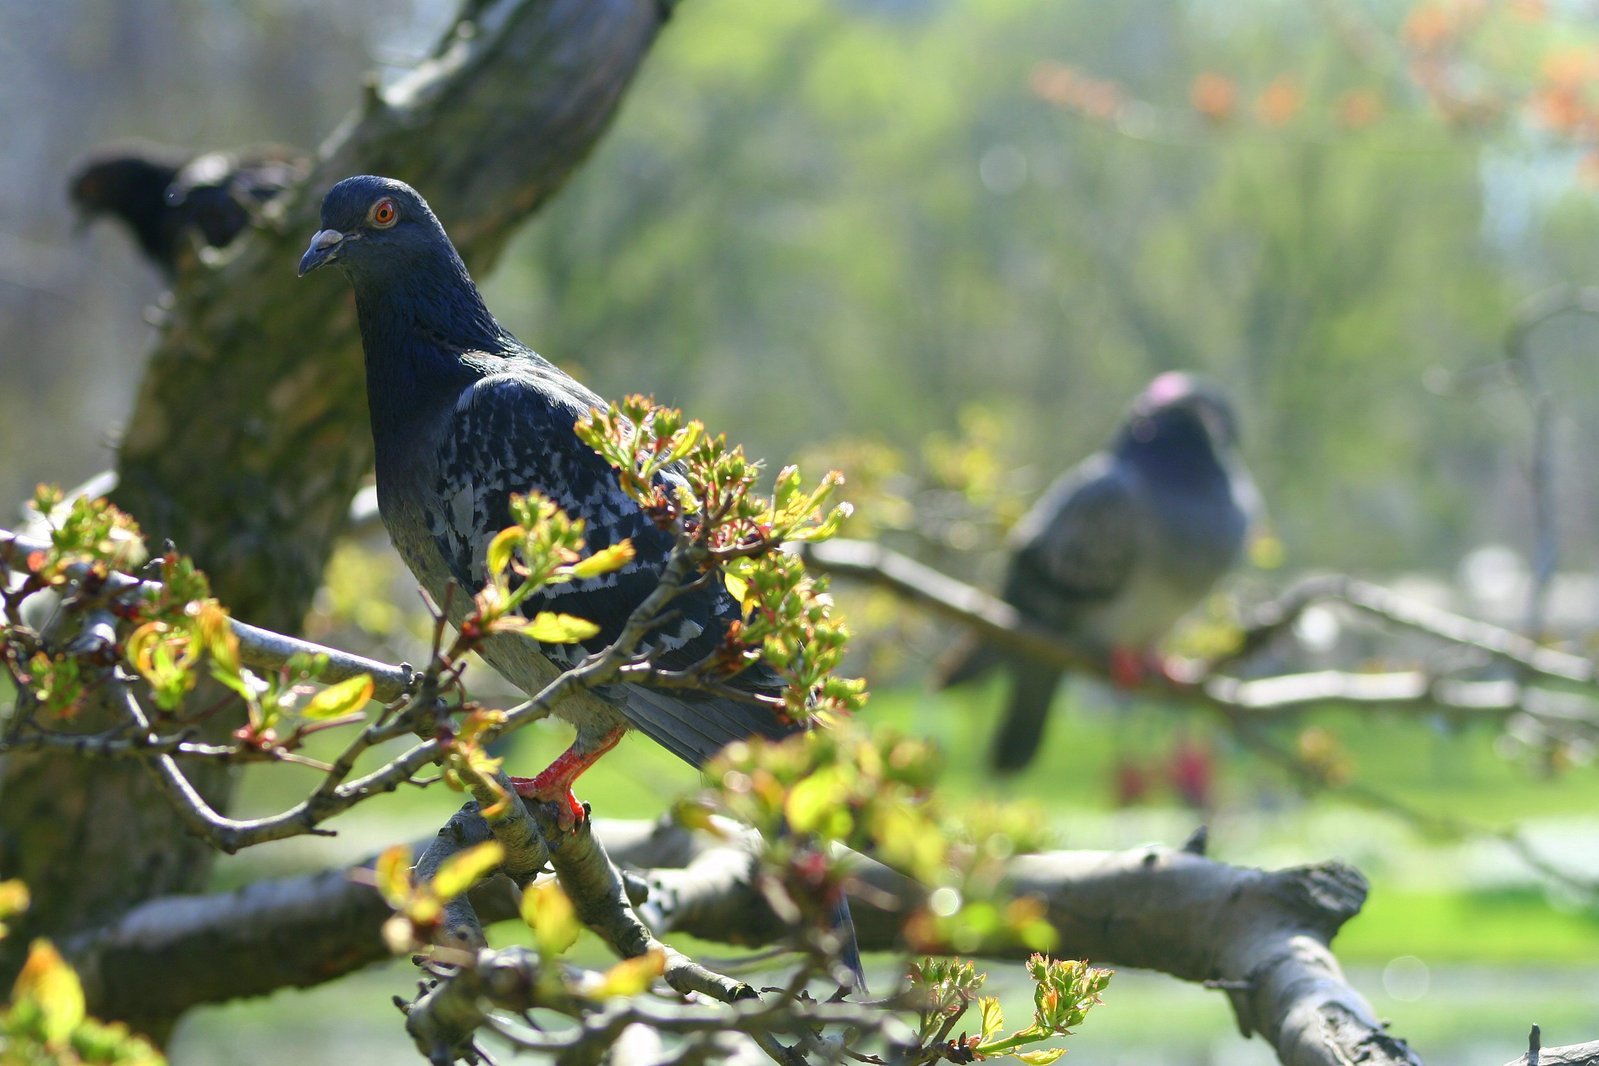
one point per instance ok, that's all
(872, 209)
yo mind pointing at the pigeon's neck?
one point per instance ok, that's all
(1178, 453)
(417, 336)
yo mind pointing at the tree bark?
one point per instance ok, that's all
(249, 435)
(1260, 936)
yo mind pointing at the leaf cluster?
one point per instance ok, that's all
(46, 1021)
(695, 485)
(872, 791)
(1063, 993)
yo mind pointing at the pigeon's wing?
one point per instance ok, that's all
(217, 191)
(513, 432)
(1078, 545)
(1073, 549)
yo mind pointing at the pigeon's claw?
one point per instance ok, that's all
(1128, 667)
(553, 784)
(1133, 668)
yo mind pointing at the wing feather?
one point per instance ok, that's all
(513, 432)
(1078, 545)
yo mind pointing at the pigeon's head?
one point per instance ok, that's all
(1181, 406)
(127, 180)
(373, 227)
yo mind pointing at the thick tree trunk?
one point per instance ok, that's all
(249, 434)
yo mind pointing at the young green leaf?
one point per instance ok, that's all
(993, 1018)
(498, 557)
(464, 869)
(630, 977)
(335, 701)
(392, 871)
(53, 988)
(549, 627)
(603, 561)
(550, 914)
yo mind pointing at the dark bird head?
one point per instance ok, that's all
(379, 230)
(129, 182)
(1181, 408)
(418, 308)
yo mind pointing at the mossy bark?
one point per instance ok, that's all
(249, 435)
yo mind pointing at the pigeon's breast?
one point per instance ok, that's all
(404, 508)
(409, 512)
(1188, 545)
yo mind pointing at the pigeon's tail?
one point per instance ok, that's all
(694, 726)
(1032, 690)
(969, 659)
(849, 951)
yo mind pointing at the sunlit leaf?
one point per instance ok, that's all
(13, 898)
(335, 701)
(550, 914)
(604, 561)
(632, 976)
(1040, 1058)
(463, 870)
(815, 805)
(392, 872)
(498, 556)
(550, 627)
(736, 586)
(50, 984)
(993, 1018)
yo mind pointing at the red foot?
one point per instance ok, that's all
(1131, 668)
(1127, 667)
(553, 784)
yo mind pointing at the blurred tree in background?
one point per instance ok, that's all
(955, 233)
(910, 210)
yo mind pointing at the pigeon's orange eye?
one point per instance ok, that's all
(384, 214)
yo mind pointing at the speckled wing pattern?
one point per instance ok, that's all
(512, 431)
(1078, 545)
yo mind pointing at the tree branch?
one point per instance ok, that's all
(1260, 936)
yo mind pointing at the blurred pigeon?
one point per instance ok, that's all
(1119, 548)
(169, 198)
(463, 415)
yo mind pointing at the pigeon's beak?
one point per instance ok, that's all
(324, 249)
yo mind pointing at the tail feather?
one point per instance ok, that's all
(694, 726)
(1016, 742)
(849, 948)
(966, 661)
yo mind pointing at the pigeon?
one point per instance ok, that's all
(464, 415)
(1119, 548)
(170, 198)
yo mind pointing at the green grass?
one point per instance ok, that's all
(1510, 926)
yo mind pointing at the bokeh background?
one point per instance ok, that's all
(942, 243)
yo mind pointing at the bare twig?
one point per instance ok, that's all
(1244, 705)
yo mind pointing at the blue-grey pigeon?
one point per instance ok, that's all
(464, 415)
(1119, 548)
(170, 198)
